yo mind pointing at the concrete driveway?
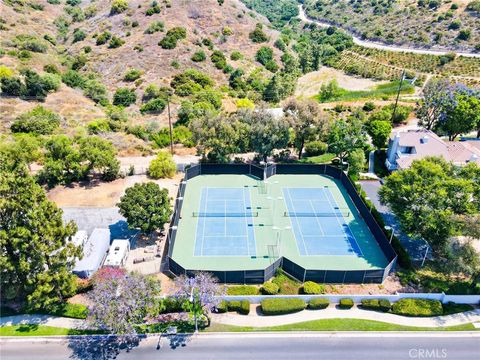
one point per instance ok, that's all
(415, 248)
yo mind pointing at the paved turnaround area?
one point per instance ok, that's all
(337, 346)
(238, 222)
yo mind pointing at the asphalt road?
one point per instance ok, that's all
(378, 45)
(453, 346)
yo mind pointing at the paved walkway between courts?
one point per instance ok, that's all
(47, 320)
(255, 319)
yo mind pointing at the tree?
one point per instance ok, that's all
(345, 136)
(462, 117)
(199, 293)
(121, 301)
(100, 156)
(62, 162)
(146, 207)
(436, 97)
(37, 254)
(356, 161)
(267, 133)
(379, 131)
(428, 198)
(216, 137)
(264, 55)
(330, 91)
(307, 122)
(162, 166)
(38, 121)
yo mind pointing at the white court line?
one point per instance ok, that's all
(204, 221)
(298, 224)
(245, 220)
(316, 218)
(346, 235)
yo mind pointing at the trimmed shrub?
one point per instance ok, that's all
(453, 308)
(162, 166)
(242, 290)
(315, 148)
(376, 304)
(222, 307)
(242, 307)
(270, 288)
(282, 306)
(172, 304)
(417, 307)
(312, 288)
(318, 304)
(345, 303)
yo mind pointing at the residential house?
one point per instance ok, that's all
(407, 146)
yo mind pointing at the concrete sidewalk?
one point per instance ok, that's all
(254, 319)
(47, 320)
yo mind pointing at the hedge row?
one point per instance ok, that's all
(282, 306)
(242, 307)
(376, 304)
(318, 304)
(417, 307)
(242, 290)
(345, 303)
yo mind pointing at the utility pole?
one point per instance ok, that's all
(170, 124)
(398, 95)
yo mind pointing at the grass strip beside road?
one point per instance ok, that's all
(315, 325)
(42, 330)
(337, 325)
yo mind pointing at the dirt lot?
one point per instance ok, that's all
(309, 84)
(102, 194)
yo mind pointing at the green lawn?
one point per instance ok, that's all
(383, 91)
(320, 159)
(337, 325)
(41, 330)
(316, 325)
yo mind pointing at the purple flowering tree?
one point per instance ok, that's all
(122, 300)
(438, 95)
(199, 294)
(449, 108)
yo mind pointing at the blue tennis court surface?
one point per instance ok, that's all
(319, 225)
(225, 223)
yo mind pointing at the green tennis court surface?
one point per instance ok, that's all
(237, 222)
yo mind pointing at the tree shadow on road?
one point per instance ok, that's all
(100, 347)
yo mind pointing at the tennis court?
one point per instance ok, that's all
(236, 225)
(319, 224)
(225, 223)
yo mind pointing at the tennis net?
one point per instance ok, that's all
(317, 214)
(224, 215)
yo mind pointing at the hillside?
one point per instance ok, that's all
(89, 37)
(442, 24)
